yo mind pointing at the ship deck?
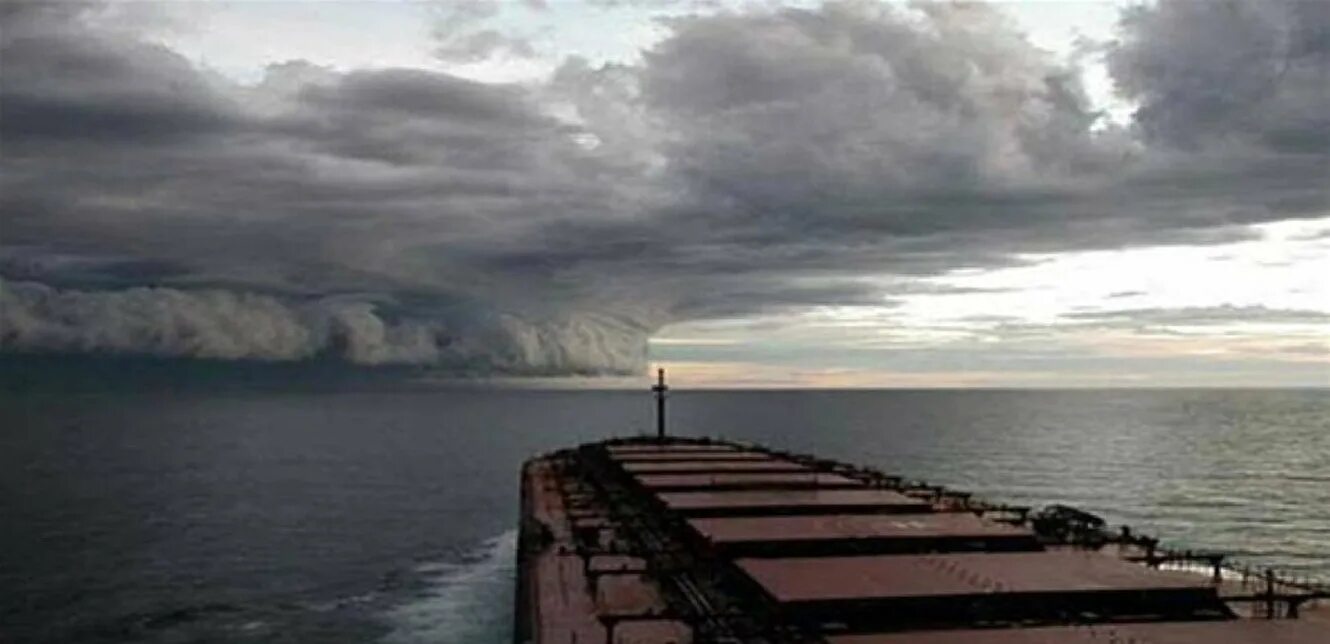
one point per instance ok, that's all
(829, 534)
(683, 540)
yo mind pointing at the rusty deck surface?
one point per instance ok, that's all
(796, 535)
(1214, 632)
(567, 597)
(552, 572)
(798, 579)
(894, 592)
(669, 447)
(670, 455)
(768, 502)
(677, 541)
(689, 467)
(745, 480)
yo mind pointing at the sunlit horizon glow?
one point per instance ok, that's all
(1226, 332)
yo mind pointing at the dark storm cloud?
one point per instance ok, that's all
(96, 87)
(757, 160)
(318, 212)
(1214, 72)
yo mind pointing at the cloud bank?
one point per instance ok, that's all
(226, 325)
(753, 160)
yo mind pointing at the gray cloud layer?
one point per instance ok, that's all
(753, 160)
(221, 324)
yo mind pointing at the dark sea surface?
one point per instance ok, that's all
(388, 516)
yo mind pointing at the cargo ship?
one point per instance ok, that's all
(660, 539)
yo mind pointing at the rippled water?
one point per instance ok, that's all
(388, 516)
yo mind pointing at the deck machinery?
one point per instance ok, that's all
(659, 539)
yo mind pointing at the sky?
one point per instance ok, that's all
(749, 194)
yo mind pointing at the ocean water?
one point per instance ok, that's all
(388, 516)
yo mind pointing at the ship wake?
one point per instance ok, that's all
(462, 601)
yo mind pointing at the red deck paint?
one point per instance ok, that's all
(616, 563)
(638, 448)
(807, 579)
(653, 632)
(1221, 632)
(663, 482)
(618, 595)
(757, 502)
(852, 526)
(847, 557)
(687, 467)
(730, 455)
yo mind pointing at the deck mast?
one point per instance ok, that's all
(660, 388)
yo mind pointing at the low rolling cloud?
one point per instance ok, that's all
(750, 162)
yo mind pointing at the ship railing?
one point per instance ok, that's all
(1265, 588)
(1270, 592)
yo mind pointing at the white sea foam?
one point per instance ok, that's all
(469, 601)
